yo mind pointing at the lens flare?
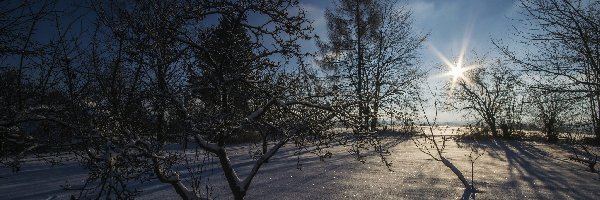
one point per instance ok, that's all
(457, 69)
(456, 72)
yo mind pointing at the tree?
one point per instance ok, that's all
(126, 97)
(434, 147)
(370, 52)
(551, 110)
(36, 77)
(486, 91)
(150, 78)
(211, 84)
(229, 78)
(564, 37)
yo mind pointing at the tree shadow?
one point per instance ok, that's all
(538, 166)
(534, 165)
(467, 194)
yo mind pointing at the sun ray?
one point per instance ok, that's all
(463, 50)
(440, 55)
(456, 69)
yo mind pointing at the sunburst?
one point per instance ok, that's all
(457, 69)
(456, 72)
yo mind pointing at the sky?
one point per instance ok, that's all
(450, 23)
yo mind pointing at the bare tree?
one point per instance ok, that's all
(434, 146)
(127, 96)
(149, 78)
(37, 76)
(565, 38)
(208, 84)
(487, 91)
(551, 111)
(371, 54)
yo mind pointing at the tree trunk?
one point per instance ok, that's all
(376, 100)
(551, 134)
(492, 125)
(232, 178)
(360, 70)
(374, 121)
(505, 130)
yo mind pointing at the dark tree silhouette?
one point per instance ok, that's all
(551, 111)
(485, 91)
(371, 53)
(37, 79)
(565, 36)
(154, 74)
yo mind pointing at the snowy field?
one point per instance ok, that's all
(507, 170)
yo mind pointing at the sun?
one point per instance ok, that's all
(457, 72)
(456, 69)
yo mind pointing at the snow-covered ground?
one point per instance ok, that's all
(507, 170)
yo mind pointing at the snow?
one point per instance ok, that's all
(507, 170)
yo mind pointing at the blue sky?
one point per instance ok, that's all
(449, 23)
